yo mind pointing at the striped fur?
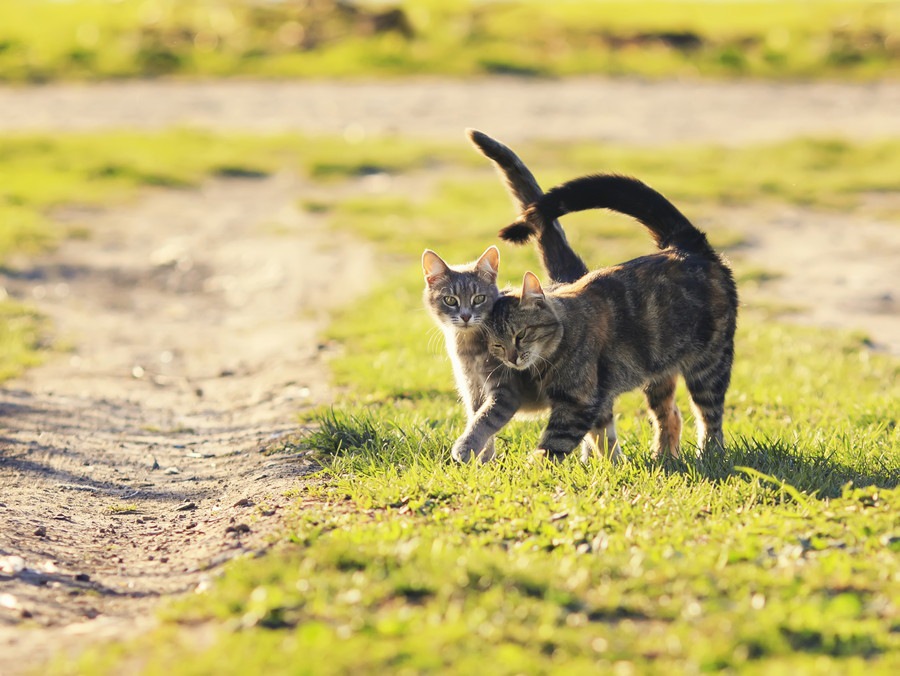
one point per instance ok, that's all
(560, 262)
(476, 371)
(638, 324)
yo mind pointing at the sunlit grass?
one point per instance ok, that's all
(778, 556)
(44, 40)
(41, 172)
(20, 339)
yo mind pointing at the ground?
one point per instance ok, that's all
(192, 318)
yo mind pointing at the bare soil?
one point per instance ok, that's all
(624, 110)
(130, 465)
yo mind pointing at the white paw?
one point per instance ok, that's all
(461, 451)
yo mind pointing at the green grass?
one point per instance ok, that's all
(39, 173)
(779, 556)
(43, 40)
(21, 340)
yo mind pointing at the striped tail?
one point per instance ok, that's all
(629, 196)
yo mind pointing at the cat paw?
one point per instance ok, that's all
(543, 456)
(618, 458)
(461, 452)
(538, 457)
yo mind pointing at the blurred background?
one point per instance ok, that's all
(47, 40)
(212, 214)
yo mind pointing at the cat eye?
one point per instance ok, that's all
(451, 301)
(479, 299)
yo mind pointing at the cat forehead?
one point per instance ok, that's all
(466, 280)
(504, 312)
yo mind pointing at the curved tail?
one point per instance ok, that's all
(562, 264)
(668, 226)
(520, 182)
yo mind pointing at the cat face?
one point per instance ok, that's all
(525, 331)
(461, 297)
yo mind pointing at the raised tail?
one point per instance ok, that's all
(668, 226)
(520, 182)
(562, 264)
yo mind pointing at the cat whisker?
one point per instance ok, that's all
(434, 340)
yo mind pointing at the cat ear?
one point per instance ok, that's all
(433, 266)
(489, 263)
(532, 292)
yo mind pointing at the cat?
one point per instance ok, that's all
(639, 324)
(561, 263)
(459, 298)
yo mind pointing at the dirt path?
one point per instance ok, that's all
(130, 464)
(625, 110)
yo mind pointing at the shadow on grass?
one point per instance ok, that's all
(814, 473)
(811, 472)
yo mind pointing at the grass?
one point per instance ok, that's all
(42, 40)
(39, 173)
(21, 341)
(779, 556)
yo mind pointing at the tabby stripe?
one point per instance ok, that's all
(500, 412)
(560, 434)
(557, 455)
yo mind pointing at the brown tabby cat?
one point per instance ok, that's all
(460, 298)
(639, 324)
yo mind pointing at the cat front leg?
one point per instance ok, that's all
(487, 454)
(478, 438)
(570, 420)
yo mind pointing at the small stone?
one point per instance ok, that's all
(82, 577)
(186, 507)
(244, 502)
(11, 564)
(40, 531)
(238, 529)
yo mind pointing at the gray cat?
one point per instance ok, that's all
(460, 298)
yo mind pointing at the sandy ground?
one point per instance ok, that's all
(625, 110)
(130, 464)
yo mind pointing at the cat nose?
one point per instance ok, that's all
(465, 316)
(513, 357)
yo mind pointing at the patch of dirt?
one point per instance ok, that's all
(130, 464)
(835, 270)
(624, 110)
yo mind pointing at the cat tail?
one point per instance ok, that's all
(668, 226)
(560, 261)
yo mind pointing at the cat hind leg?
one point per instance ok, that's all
(665, 416)
(707, 388)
